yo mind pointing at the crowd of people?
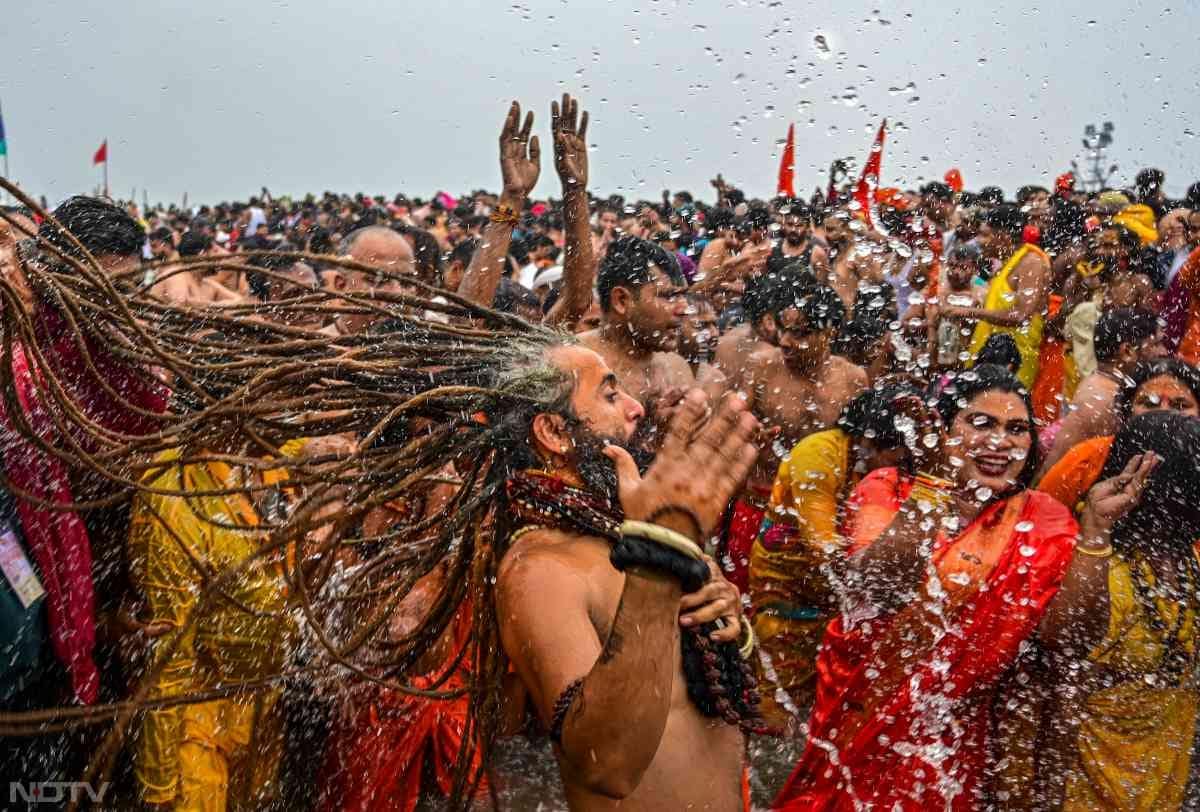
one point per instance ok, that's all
(323, 503)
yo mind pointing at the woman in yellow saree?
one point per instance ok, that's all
(1119, 730)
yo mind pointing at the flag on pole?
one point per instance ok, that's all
(3, 143)
(787, 165)
(101, 155)
(869, 181)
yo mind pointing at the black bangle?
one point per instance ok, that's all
(632, 551)
(563, 704)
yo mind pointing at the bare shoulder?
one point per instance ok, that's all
(547, 558)
(844, 370)
(673, 370)
(591, 340)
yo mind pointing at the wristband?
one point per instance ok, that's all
(747, 647)
(505, 215)
(664, 536)
(1103, 552)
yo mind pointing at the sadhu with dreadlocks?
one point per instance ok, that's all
(582, 572)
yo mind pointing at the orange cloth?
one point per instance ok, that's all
(1052, 373)
(1189, 279)
(903, 710)
(1073, 476)
(377, 760)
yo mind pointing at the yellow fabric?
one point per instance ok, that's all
(1139, 218)
(1001, 296)
(1135, 739)
(184, 753)
(791, 597)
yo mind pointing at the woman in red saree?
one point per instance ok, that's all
(932, 614)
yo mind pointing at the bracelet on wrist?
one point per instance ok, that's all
(1100, 552)
(505, 215)
(749, 641)
(664, 536)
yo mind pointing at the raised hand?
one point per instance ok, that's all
(1112, 499)
(923, 433)
(568, 127)
(697, 470)
(520, 154)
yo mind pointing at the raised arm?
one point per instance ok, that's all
(1033, 284)
(520, 165)
(568, 128)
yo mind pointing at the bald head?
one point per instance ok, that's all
(379, 247)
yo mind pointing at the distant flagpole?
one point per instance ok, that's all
(101, 156)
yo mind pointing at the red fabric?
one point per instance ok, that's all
(743, 529)
(1052, 373)
(905, 710)
(870, 174)
(954, 180)
(58, 540)
(787, 165)
(101, 155)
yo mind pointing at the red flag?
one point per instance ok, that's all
(954, 180)
(870, 174)
(787, 165)
(101, 155)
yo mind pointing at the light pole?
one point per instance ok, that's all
(1095, 145)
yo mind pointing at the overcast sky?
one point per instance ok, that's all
(217, 98)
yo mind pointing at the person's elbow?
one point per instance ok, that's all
(615, 777)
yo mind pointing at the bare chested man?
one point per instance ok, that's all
(737, 250)
(642, 304)
(192, 287)
(1123, 337)
(599, 649)
(796, 388)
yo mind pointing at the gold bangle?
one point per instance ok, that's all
(1103, 552)
(748, 644)
(664, 536)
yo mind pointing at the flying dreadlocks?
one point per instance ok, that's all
(544, 506)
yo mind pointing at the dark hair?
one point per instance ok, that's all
(161, 234)
(719, 217)
(775, 291)
(821, 306)
(510, 295)
(1146, 371)
(100, 227)
(937, 189)
(463, 251)
(1169, 500)
(1000, 350)
(260, 283)
(965, 386)
(193, 243)
(319, 241)
(1026, 192)
(1123, 326)
(871, 414)
(993, 195)
(427, 254)
(1006, 217)
(862, 334)
(627, 265)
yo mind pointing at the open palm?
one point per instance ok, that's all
(520, 153)
(569, 129)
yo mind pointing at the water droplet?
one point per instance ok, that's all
(1024, 527)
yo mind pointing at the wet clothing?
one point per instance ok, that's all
(1189, 283)
(740, 532)
(789, 590)
(1076, 472)
(1133, 749)
(1002, 296)
(903, 709)
(208, 755)
(1048, 388)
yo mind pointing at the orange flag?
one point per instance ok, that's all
(787, 165)
(870, 174)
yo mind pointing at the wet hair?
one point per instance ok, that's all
(871, 414)
(775, 291)
(821, 306)
(427, 253)
(965, 386)
(1000, 350)
(794, 207)
(1122, 326)
(160, 234)
(1167, 513)
(1146, 371)
(859, 337)
(627, 265)
(100, 227)
(1007, 218)
(319, 241)
(193, 243)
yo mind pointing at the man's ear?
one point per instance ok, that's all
(620, 300)
(549, 434)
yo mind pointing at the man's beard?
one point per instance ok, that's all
(793, 239)
(597, 471)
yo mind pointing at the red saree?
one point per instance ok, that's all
(902, 713)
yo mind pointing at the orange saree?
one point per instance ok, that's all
(903, 699)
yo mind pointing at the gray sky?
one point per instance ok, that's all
(217, 98)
